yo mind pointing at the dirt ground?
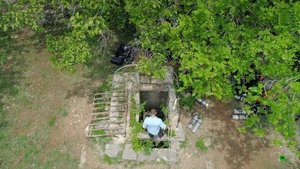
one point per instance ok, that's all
(229, 149)
(51, 92)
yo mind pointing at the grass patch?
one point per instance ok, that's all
(98, 132)
(107, 159)
(52, 121)
(173, 133)
(101, 140)
(58, 159)
(23, 97)
(200, 144)
(26, 151)
(105, 86)
(110, 160)
(100, 105)
(63, 112)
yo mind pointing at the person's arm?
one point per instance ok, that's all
(162, 125)
(145, 124)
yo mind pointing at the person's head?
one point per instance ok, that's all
(153, 112)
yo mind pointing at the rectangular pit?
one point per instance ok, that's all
(154, 100)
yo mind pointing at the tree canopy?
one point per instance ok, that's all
(214, 45)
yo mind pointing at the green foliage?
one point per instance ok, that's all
(188, 101)
(111, 160)
(105, 86)
(101, 106)
(147, 146)
(101, 140)
(85, 20)
(98, 132)
(277, 142)
(68, 51)
(152, 67)
(211, 41)
(15, 16)
(173, 133)
(107, 159)
(164, 109)
(200, 144)
(136, 128)
(87, 25)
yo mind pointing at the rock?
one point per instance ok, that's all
(112, 150)
(175, 145)
(153, 156)
(119, 139)
(128, 153)
(179, 134)
(168, 155)
(145, 79)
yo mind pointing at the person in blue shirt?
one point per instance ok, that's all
(154, 125)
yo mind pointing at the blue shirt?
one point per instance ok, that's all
(153, 125)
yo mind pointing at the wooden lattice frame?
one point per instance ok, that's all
(102, 117)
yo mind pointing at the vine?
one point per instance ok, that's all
(136, 128)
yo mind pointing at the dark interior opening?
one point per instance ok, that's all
(153, 100)
(160, 144)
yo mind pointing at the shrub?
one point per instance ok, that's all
(201, 145)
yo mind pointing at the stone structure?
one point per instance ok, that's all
(155, 93)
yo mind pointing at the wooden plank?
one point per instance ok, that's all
(108, 129)
(95, 123)
(110, 101)
(108, 111)
(110, 92)
(108, 95)
(121, 101)
(100, 110)
(120, 108)
(107, 117)
(105, 135)
(98, 116)
(102, 98)
(103, 114)
(109, 122)
(107, 102)
(116, 100)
